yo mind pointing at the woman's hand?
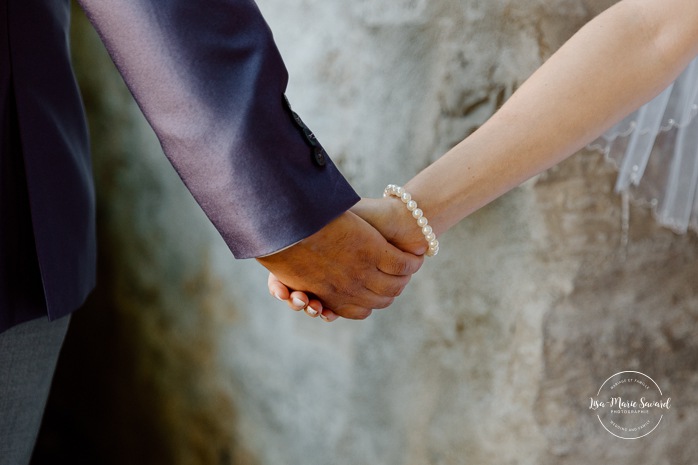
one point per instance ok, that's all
(298, 300)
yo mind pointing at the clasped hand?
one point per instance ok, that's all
(360, 261)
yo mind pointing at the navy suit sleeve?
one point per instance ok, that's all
(210, 80)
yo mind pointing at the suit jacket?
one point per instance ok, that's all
(210, 81)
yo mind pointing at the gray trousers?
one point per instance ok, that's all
(28, 356)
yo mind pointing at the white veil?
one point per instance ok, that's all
(656, 152)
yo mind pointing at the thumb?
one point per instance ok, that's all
(394, 222)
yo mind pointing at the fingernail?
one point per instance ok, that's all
(322, 315)
(311, 311)
(298, 302)
(275, 294)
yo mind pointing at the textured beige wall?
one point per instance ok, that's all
(489, 357)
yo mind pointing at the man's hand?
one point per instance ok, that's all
(347, 265)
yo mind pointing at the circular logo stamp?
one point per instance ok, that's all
(629, 405)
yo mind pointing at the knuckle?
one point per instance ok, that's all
(399, 266)
(394, 286)
(397, 288)
(354, 312)
(394, 290)
(385, 303)
(402, 265)
(363, 314)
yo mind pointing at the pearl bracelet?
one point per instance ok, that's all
(396, 191)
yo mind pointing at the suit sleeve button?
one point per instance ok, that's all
(320, 156)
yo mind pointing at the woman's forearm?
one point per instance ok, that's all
(617, 62)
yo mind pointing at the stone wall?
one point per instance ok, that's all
(491, 354)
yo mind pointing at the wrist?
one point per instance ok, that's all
(414, 226)
(405, 232)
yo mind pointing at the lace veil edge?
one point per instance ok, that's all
(655, 150)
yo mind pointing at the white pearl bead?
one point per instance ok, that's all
(411, 205)
(399, 191)
(433, 244)
(417, 213)
(422, 222)
(426, 230)
(406, 197)
(430, 237)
